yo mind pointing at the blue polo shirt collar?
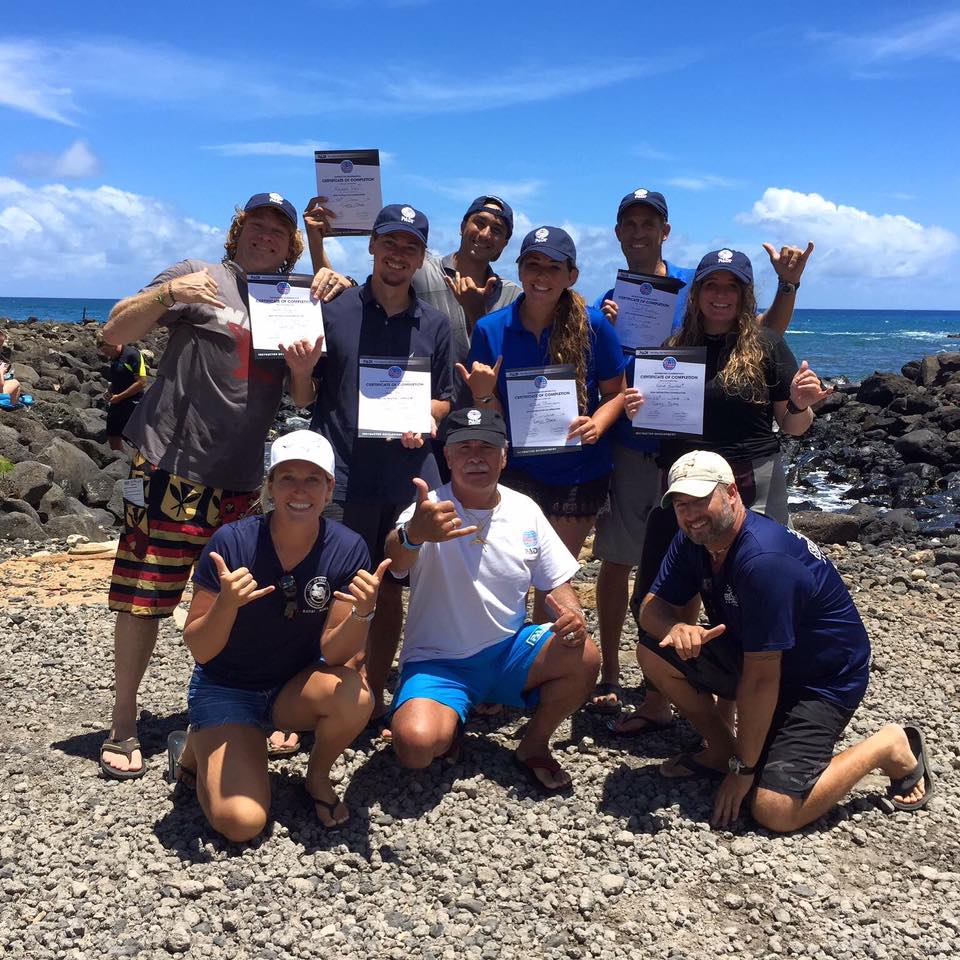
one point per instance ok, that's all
(369, 301)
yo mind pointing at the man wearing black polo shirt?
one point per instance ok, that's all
(381, 318)
(785, 641)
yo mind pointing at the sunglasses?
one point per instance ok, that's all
(288, 587)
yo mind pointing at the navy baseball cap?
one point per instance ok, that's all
(552, 242)
(505, 213)
(470, 423)
(272, 200)
(649, 198)
(733, 261)
(401, 217)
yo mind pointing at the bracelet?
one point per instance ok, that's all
(360, 616)
(165, 290)
(793, 408)
(353, 283)
(484, 400)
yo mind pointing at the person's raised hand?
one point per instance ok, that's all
(327, 284)
(302, 356)
(806, 388)
(363, 589)
(789, 262)
(481, 379)
(436, 521)
(610, 310)
(237, 587)
(197, 287)
(411, 440)
(687, 639)
(569, 625)
(316, 218)
(472, 298)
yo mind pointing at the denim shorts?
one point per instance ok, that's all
(211, 704)
(497, 674)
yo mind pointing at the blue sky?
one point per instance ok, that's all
(128, 133)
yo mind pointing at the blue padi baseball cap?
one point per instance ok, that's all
(272, 200)
(505, 213)
(733, 261)
(552, 242)
(401, 217)
(649, 198)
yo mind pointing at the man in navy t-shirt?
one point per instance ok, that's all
(785, 641)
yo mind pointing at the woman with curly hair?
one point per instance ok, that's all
(551, 324)
(752, 379)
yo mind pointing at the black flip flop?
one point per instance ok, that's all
(645, 726)
(687, 761)
(604, 689)
(330, 807)
(903, 785)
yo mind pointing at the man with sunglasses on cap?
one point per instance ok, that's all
(643, 226)
(473, 549)
(784, 641)
(381, 318)
(198, 436)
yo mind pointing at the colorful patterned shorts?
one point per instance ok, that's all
(164, 532)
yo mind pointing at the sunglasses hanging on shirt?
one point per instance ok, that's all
(288, 587)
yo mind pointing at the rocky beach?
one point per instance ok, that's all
(466, 860)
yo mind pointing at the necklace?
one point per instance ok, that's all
(481, 523)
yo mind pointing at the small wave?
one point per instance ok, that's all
(927, 335)
(863, 335)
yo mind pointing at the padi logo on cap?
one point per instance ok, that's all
(317, 593)
(640, 194)
(473, 416)
(346, 166)
(541, 234)
(725, 256)
(408, 213)
(275, 197)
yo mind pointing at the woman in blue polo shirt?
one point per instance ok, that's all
(281, 605)
(551, 324)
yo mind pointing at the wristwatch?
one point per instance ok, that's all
(793, 408)
(364, 618)
(784, 286)
(405, 541)
(737, 766)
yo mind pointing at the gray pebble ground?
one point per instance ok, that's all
(467, 861)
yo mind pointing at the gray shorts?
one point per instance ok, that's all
(622, 521)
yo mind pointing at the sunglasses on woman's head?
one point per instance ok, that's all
(288, 587)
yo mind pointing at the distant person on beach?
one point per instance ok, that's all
(282, 603)
(752, 380)
(550, 324)
(474, 548)
(127, 379)
(9, 384)
(198, 435)
(381, 318)
(784, 640)
(643, 226)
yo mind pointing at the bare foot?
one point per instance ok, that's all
(544, 768)
(281, 743)
(488, 709)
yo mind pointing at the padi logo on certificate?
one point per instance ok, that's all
(540, 382)
(669, 363)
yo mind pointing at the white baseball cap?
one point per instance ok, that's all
(303, 445)
(696, 474)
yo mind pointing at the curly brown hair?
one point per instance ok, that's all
(233, 235)
(741, 363)
(570, 339)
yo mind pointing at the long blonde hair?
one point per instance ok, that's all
(742, 363)
(570, 339)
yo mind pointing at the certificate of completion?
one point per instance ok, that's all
(542, 403)
(672, 383)
(645, 308)
(281, 311)
(394, 396)
(350, 180)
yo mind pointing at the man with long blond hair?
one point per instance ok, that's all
(198, 437)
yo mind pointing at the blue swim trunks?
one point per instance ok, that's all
(495, 675)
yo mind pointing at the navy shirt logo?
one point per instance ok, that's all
(317, 593)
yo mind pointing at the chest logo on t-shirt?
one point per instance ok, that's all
(531, 543)
(317, 593)
(730, 598)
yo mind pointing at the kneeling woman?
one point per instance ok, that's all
(281, 604)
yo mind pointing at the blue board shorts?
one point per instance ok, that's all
(212, 704)
(495, 675)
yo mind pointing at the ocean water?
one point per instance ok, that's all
(850, 343)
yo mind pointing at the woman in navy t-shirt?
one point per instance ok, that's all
(280, 609)
(550, 324)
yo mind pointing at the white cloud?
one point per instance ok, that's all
(707, 181)
(931, 36)
(84, 240)
(269, 148)
(77, 161)
(25, 83)
(851, 242)
(646, 151)
(466, 189)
